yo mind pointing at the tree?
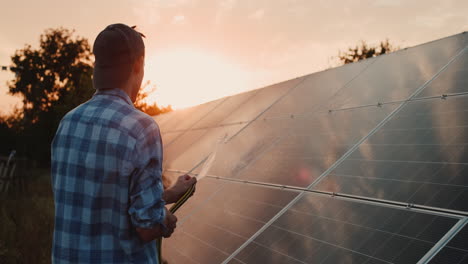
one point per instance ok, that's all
(363, 51)
(48, 76)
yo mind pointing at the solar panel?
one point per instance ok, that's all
(453, 80)
(194, 145)
(365, 163)
(319, 229)
(295, 151)
(397, 75)
(209, 233)
(419, 157)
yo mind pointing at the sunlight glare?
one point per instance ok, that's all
(186, 77)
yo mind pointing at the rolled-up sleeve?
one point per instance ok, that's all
(146, 189)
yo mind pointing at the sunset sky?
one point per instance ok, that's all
(200, 50)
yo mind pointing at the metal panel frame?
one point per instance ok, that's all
(443, 241)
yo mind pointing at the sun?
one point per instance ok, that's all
(186, 77)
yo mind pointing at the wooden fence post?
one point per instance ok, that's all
(7, 172)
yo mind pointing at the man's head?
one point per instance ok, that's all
(120, 52)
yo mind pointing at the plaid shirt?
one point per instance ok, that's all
(106, 177)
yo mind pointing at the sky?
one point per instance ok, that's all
(201, 50)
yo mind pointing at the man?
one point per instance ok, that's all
(107, 165)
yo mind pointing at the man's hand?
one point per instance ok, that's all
(149, 234)
(174, 193)
(170, 223)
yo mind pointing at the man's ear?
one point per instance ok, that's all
(138, 65)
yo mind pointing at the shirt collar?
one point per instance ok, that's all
(115, 92)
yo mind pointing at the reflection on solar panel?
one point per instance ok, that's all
(365, 163)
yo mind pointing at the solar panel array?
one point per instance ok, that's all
(364, 163)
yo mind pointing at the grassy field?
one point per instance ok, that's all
(26, 221)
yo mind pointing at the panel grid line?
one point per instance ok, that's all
(348, 153)
(412, 161)
(307, 114)
(396, 180)
(362, 199)
(417, 99)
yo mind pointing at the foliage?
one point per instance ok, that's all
(363, 51)
(142, 104)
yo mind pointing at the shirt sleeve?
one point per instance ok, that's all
(146, 189)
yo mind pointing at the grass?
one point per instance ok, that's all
(26, 221)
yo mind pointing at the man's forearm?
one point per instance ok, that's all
(164, 229)
(169, 196)
(149, 234)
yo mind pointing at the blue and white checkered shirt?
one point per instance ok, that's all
(106, 177)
